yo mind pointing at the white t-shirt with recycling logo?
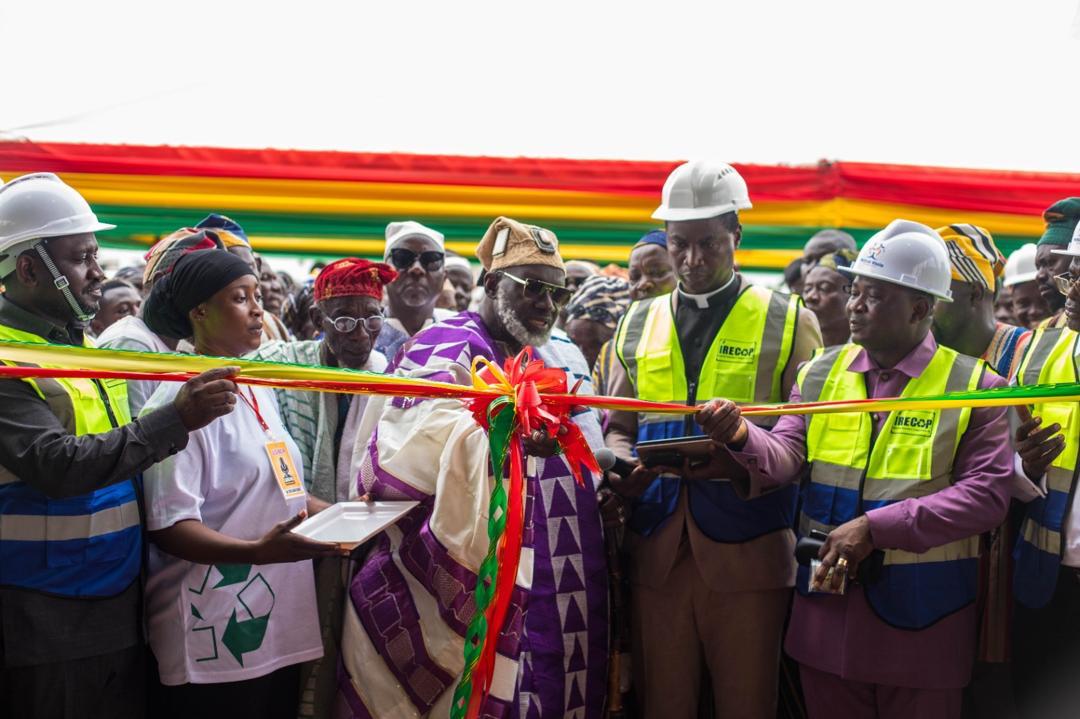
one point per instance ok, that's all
(226, 622)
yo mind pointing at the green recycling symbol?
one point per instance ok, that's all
(246, 627)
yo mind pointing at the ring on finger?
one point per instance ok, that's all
(842, 565)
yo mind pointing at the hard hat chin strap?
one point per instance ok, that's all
(61, 283)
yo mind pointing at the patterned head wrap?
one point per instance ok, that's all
(228, 230)
(195, 278)
(163, 255)
(601, 299)
(351, 277)
(835, 260)
(656, 237)
(974, 257)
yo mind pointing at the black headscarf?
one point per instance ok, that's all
(196, 277)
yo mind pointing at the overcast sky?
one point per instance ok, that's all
(981, 83)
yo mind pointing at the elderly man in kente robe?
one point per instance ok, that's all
(412, 598)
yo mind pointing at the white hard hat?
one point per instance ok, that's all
(38, 206)
(1020, 267)
(398, 231)
(908, 254)
(1073, 250)
(702, 189)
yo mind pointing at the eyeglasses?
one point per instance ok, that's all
(1064, 282)
(536, 289)
(345, 324)
(403, 259)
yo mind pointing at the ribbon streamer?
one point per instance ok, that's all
(511, 403)
(509, 419)
(45, 360)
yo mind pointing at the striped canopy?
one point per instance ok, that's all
(314, 204)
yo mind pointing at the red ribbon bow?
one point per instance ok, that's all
(524, 382)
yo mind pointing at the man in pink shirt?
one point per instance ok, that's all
(905, 494)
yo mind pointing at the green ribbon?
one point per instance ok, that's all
(501, 420)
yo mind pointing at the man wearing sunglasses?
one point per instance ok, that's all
(552, 653)
(419, 256)
(1050, 261)
(711, 573)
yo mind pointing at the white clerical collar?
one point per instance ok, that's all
(702, 301)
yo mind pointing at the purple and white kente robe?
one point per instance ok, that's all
(411, 600)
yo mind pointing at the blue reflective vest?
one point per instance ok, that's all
(86, 546)
(852, 471)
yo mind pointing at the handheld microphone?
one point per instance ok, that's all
(609, 462)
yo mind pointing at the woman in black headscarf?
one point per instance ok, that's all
(230, 598)
(212, 298)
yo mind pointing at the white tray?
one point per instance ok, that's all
(353, 523)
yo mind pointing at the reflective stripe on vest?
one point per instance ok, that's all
(85, 546)
(851, 471)
(1051, 357)
(744, 363)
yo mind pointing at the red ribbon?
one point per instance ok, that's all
(530, 381)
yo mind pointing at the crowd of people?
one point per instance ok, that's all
(911, 562)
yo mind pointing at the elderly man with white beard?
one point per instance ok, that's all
(412, 598)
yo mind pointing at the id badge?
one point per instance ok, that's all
(284, 470)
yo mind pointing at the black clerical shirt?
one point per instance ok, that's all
(697, 325)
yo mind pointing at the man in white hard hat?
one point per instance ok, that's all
(1067, 284)
(885, 625)
(711, 572)
(70, 459)
(1021, 278)
(1046, 628)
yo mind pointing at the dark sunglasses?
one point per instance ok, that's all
(536, 289)
(403, 259)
